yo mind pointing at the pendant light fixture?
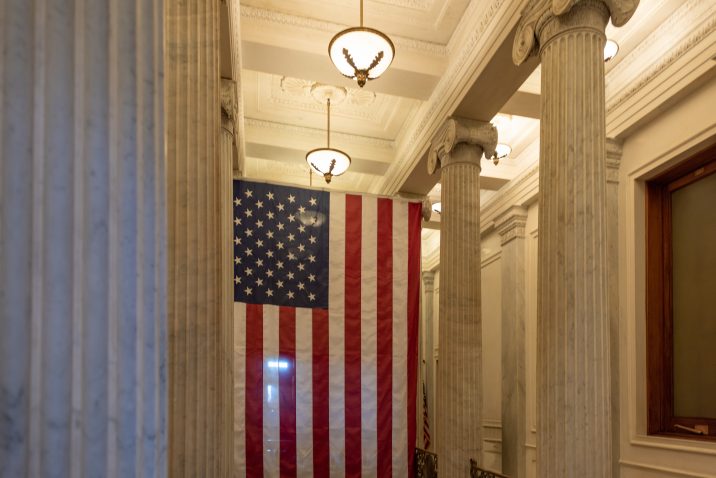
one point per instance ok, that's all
(361, 53)
(610, 50)
(328, 162)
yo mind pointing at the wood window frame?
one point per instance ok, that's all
(659, 308)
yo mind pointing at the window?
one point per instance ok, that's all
(681, 299)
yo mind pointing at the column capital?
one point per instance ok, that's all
(428, 280)
(535, 27)
(614, 159)
(456, 131)
(511, 224)
(229, 103)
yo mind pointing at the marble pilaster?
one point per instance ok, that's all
(199, 185)
(429, 347)
(573, 349)
(614, 156)
(82, 239)
(457, 150)
(511, 228)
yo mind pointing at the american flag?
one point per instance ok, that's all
(326, 290)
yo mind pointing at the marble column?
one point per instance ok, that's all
(82, 239)
(511, 228)
(614, 156)
(199, 185)
(229, 159)
(456, 150)
(429, 350)
(573, 349)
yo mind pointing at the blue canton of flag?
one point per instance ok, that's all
(280, 245)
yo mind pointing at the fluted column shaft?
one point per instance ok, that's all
(199, 232)
(429, 347)
(460, 326)
(458, 147)
(229, 132)
(82, 239)
(511, 228)
(573, 321)
(573, 340)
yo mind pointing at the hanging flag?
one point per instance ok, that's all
(426, 422)
(326, 290)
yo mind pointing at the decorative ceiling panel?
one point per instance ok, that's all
(288, 100)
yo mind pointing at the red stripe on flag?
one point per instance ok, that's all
(385, 337)
(414, 212)
(353, 450)
(287, 389)
(254, 391)
(321, 447)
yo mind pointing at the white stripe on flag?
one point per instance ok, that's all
(369, 343)
(272, 414)
(304, 392)
(400, 339)
(336, 296)
(239, 390)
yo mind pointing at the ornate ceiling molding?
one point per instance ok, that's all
(621, 80)
(283, 128)
(353, 100)
(432, 114)
(261, 14)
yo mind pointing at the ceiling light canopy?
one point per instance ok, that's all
(327, 162)
(610, 50)
(361, 53)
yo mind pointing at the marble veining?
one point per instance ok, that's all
(82, 234)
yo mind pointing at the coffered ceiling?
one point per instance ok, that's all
(284, 53)
(453, 57)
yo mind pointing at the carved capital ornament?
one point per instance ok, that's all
(229, 102)
(537, 13)
(456, 131)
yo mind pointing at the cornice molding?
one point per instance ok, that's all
(680, 21)
(270, 16)
(284, 128)
(433, 113)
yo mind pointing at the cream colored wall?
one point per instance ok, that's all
(672, 136)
